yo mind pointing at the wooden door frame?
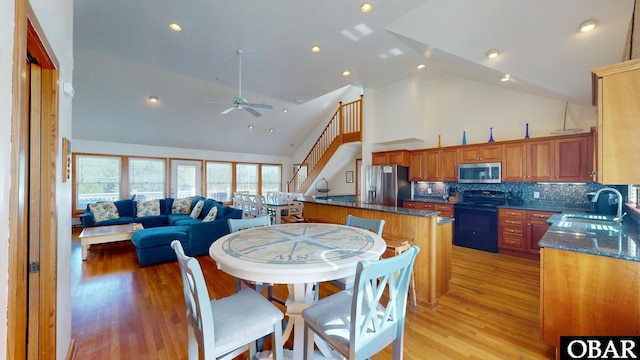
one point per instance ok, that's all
(29, 37)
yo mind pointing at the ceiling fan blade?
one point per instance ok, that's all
(262, 106)
(252, 112)
(224, 112)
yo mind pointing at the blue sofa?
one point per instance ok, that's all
(153, 243)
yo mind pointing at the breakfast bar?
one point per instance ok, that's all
(590, 277)
(433, 234)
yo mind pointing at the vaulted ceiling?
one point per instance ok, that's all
(124, 52)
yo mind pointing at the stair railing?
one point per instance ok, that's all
(345, 126)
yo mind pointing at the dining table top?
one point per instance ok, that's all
(295, 253)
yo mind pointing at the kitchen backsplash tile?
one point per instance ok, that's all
(553, 195)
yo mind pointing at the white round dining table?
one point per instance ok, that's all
(299, 255)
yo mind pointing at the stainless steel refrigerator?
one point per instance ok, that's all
(387, 185)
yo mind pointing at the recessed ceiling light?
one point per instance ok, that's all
(272, 130)
(315, 49)
(588, 25)
(421, 66)
(175, 27)
(366, 7)
(346, 73)
(506, 77)
(250, 127)
(285, 110)
(153, 99)
(492, 54)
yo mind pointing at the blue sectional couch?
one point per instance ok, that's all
(153, 242)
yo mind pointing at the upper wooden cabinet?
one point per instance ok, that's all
(564, 159)
(449, 165)
(397, 157)
(424, 165)
(479, 153)
(618, 148)
(433, 165)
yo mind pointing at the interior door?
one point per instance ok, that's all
(186, 178)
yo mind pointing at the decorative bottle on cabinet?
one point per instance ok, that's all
(491, 135)
(464, 138)
(526, 131)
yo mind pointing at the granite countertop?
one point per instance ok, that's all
(376, 207)
(605, 238)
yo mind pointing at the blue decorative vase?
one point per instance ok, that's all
(526, 132)
(491, 135)
(464, 138)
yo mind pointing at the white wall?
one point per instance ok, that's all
(400, 111)
(453, 105)
(6, 63)
(56, 19)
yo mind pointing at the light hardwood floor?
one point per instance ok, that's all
(122, 311)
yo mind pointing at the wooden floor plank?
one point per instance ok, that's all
(122, 311)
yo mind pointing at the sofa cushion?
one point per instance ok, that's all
(160, 236)
(172, 218)
(197, 209)
(211, 215)
(104, 211)
(148, 208)
(126, 207)
(152, 221)
(181, 206)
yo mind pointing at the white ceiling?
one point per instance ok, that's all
(124, 52)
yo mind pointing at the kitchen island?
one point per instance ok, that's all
(590, 277)
(433, 234)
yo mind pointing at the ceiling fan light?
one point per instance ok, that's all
(421, 66)
(346, 73)
(315, 49)
(153, 99)
(588, 25)
(250, 127)
(272, 130)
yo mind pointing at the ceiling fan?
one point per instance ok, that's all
(241, 103)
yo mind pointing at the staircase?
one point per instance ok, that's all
(345, 127)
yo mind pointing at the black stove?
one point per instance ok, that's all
(476, 219)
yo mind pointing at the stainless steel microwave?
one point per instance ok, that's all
(483, 173)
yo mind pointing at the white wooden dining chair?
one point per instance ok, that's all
(375, 226)
(360, 322)
(227, 327)
(241, 224)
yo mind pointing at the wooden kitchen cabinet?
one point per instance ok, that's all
(511, 229)
(521, 230)
(479, 153)
(449, 165)
(573, 158)
(446, 210)
(618, 149)
(396, 157)
(587, 295)
(562, 159)
(536, 228)
(424, 165)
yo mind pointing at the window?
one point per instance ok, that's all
(146, 178)
(271, 178)
(247, 178)
(97, 179)
(219, 177)
(634, 195)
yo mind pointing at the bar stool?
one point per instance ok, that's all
(399, 245)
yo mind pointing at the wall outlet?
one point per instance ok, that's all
(429, 191)
(536, 195)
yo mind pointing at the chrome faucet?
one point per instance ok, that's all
(619, 215)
